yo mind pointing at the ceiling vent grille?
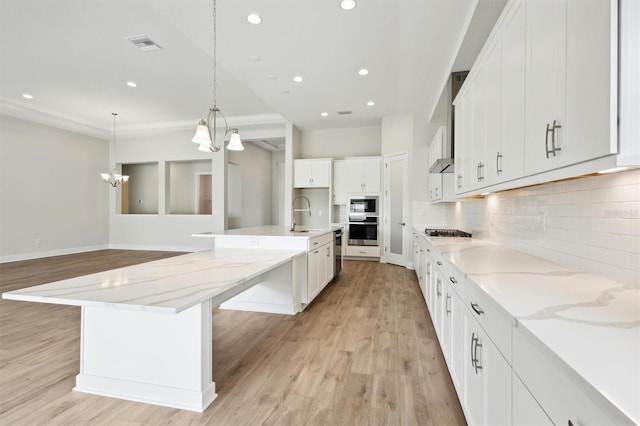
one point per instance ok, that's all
(344, 112)
(143, 42)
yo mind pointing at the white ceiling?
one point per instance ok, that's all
(72, 56)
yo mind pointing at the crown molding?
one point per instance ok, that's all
(22, 111)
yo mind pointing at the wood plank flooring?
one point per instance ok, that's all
(364, 352)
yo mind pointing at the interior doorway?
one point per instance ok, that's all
(396, 201)
(204, 193)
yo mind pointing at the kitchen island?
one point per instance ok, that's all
(319, 245)
(147, 329)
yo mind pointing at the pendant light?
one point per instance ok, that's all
(205, 135)
(114, 178)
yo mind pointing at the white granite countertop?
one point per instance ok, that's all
(269, 231)
(588, 321)
(169, 285)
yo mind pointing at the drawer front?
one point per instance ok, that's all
(526, 410)
(457, 279)
(560, 395)
(321, 240)
(491, 317)
(363, 251)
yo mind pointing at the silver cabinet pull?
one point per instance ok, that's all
(439, 263)
(459, 181)
(428, 250)
(477, 365)
(473, 341)
(551, 129)
(481, 166)
(477, 308)
(439, 288)
(498, 165)
(453, 280)
(447, 304)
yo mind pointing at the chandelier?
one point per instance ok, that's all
(114, 178)
(206, 131)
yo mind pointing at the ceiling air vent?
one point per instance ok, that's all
(143, 42)
(344, 112)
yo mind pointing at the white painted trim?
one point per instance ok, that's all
(157, 248)
(239, 121)
(22, 111)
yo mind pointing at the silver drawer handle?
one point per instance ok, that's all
(439, 263)
(453, 280)
(477, 308)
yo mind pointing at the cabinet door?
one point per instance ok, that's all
(339, 182)
(320, 173)
(456, 355)
(487, 378)
(302, 177)
(546, 50)
(328, 270)
(371, 175)
(355, 169)
(591, 102)
(436, 151)
(462, 142)
(313, 271)
(526, 410)
(479, 126)
(438, 303)
(447, 319)
(493, 109)
(509, 159)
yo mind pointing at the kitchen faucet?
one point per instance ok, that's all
(294, 210)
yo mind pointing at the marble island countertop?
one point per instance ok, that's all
(590, 322)
(269, 231)
(169, 285)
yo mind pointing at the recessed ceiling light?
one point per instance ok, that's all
(298, 79)
(348, 4)
(324, 114)
(27, 96)
(131, 84)
(363, 71)
(371, 103)
(254, 19)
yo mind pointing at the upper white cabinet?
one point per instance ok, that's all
(340, 182)
(363, 175)
(541, 96)
(570, 96)
(440, 184)
(314, 173)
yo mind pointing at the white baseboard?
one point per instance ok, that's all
(49, 253)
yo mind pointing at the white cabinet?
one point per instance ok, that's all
(320, 265)
(487, 378)
(570, 95)
(363, 175)
(541, 96)
(312, 173)
(340, 182)
(561, 393)
(526, 410)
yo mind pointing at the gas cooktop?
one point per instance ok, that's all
(446, 233)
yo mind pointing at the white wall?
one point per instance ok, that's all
(53, 200)
(340, 143)
(255, 165)
(162, 230)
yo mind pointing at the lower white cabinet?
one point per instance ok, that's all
(320, 265)
(562, 395)
(487, 378)
(526, 410)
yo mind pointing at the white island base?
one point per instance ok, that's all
(148, 357)
(146, 331)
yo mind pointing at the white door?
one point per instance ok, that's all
(396, 208)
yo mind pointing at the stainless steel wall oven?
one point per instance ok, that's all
(363, 221)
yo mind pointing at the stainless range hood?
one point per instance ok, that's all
(446, 164)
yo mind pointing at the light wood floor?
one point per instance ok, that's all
(364, 352)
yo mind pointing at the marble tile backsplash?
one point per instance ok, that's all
(590, 224)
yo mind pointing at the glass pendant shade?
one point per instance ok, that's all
(202, 134)
(235, 144)
(205, 147)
